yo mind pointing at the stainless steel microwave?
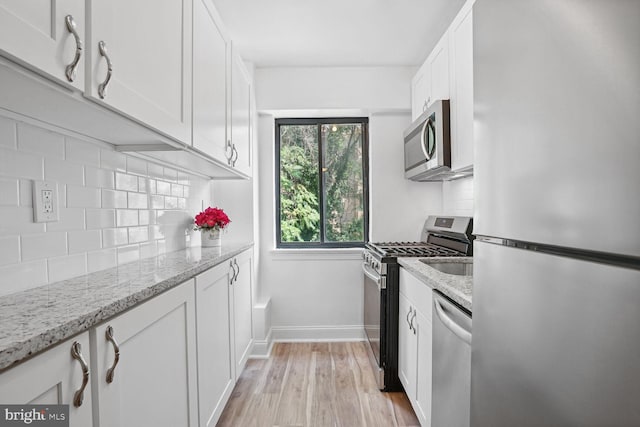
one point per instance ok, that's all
(427, 145)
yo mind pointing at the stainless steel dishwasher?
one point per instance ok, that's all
(451, 364)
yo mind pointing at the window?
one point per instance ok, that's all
(322, 195)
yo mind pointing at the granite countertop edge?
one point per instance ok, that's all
(24, 333)
(457, 288)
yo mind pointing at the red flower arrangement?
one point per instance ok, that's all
(211, 219)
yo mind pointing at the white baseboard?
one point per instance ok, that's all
(262, 348)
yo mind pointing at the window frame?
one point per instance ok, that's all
(319, 121)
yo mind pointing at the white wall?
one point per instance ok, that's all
(114, 208)
(457, 197)
(318, 294)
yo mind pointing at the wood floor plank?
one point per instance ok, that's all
(314, 385)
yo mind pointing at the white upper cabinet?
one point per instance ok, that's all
(47, 36)
(461, 39)
(140, 61)
(241, 116)
(431, 82)
(209, 82)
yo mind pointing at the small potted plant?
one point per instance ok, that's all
(209, 222)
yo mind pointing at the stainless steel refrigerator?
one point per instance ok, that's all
(556, 319)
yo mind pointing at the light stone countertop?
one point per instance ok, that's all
(33, 320)
(458, 288)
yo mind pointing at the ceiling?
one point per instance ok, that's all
(330, 33)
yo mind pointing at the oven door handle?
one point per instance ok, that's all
(373, 275)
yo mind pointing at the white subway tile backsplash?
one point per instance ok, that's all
(136, 166)
(101, 260)
(82, 152)
(126, 218)
(43, 245)
(138, 234)
(9, 250)
(7, 133)
(163, 188)
(171, 203)
(113, 160)
(66, 267)
(82, 197)
(171, 174)
(112, 207)
(18, 220)
(100, 218)
(100, 178)
(21, 276)
(126, 182)
(40, 141)
(114, 237)
(70, 219)
(61, 170)
(26, 192)
(9, 195)
(114, 199)
(137, 201)
(128, 254)
(20, 165)
(84, 241)
(157, 202)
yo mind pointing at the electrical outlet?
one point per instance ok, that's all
(45, 201)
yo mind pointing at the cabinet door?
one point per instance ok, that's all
(35, 34)
(154, 381)
(52, 377)
(439, 64)
(241, 116)
(213, 324)
(420, 91)
(462, 87)
(422, 405)
(149, 45)
(209, 82)
(406, 348)
(242, 307)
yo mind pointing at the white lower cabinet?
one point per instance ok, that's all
(216, 377)
(414, 344)
(152, 381)
(53, 377)
(242, 308)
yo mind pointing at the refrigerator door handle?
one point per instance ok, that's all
(458, 330)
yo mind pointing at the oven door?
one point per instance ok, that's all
(374, 319)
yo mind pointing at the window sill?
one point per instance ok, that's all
(316, 254)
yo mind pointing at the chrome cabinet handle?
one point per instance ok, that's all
(110, 372)
(234, 155)
(70, 70)
(76, 353)
(233, 275)
(228, 148)
(409, 314)
(237, 268)
(413, 328)
(424, 106)
(457, 330)
(102, 87)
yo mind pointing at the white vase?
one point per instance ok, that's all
(210, 238)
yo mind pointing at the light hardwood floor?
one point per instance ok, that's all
(314, 384)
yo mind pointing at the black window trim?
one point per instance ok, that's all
(365, 174)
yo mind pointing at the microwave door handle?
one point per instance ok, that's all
(423, 139)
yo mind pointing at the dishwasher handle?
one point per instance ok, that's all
(457, 330)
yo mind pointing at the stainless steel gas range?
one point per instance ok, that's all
(441, 236)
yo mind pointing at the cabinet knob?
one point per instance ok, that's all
(116, 348)
(102, 87)
(76, 353)
(70, 70)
